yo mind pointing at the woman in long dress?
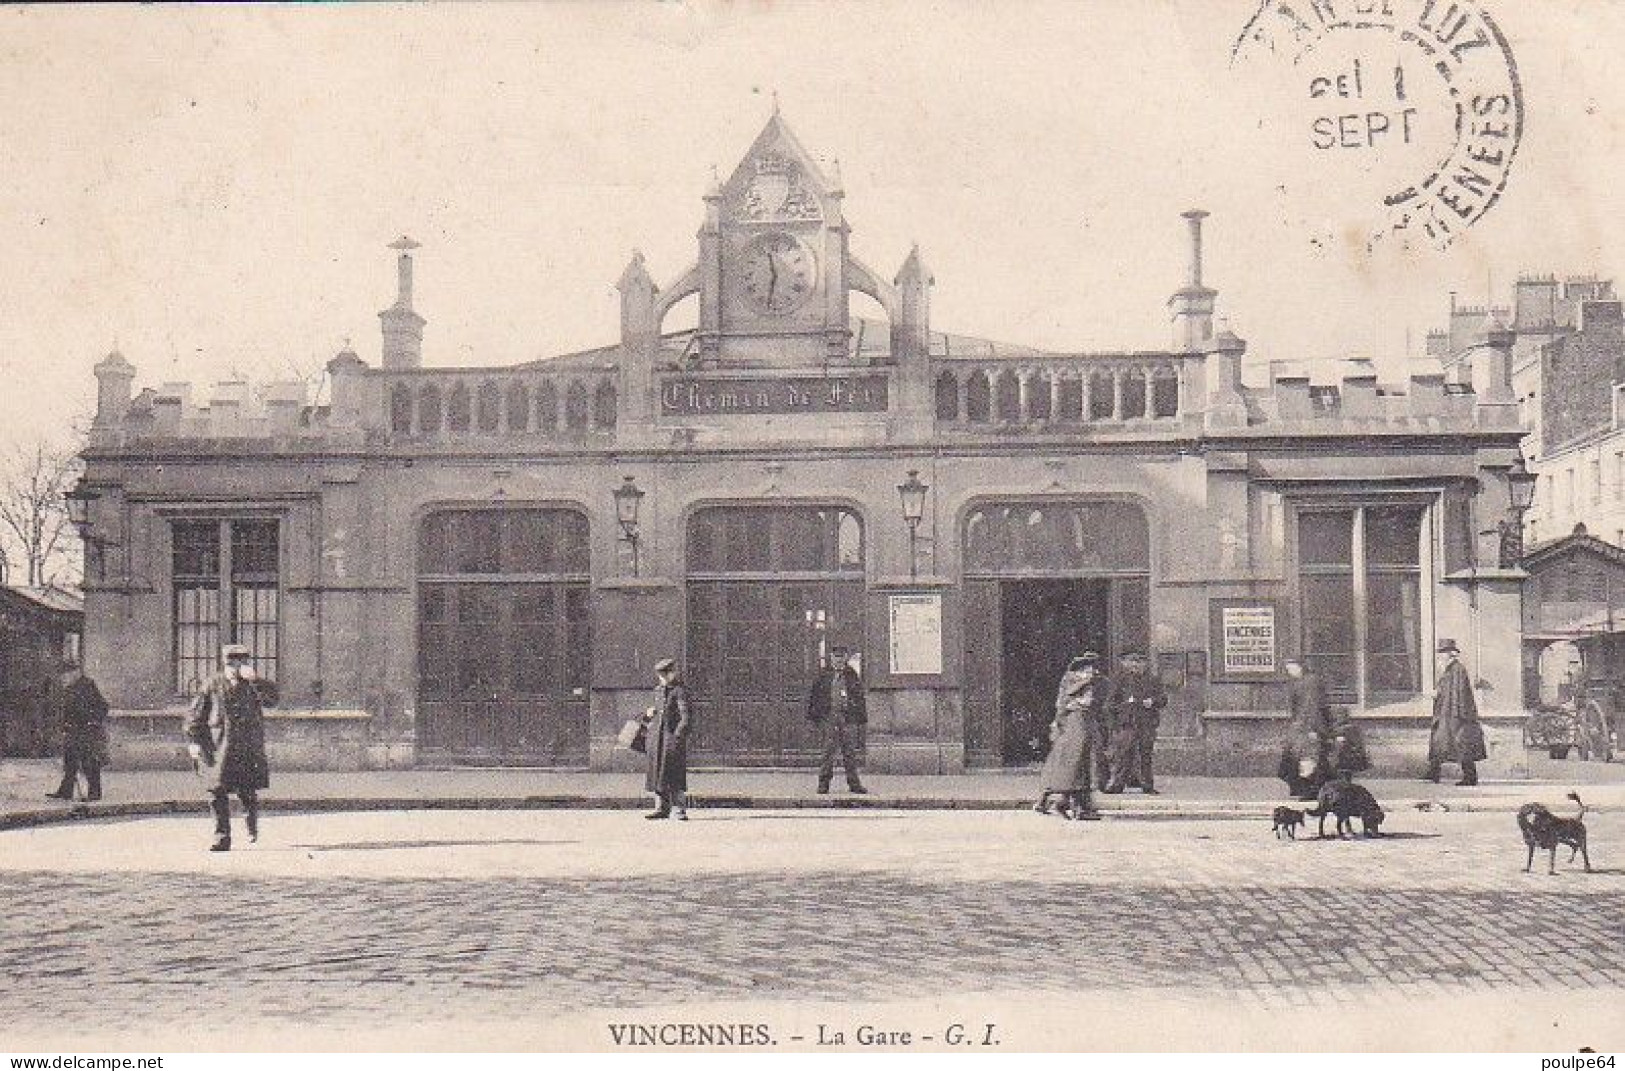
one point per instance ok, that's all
(1080, 698)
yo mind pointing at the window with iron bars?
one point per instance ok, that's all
(225, 575)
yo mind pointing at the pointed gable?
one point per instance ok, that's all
(778, 180)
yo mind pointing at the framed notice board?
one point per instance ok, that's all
(1244, 639)
(916, 633)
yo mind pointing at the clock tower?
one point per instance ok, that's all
(773, 261)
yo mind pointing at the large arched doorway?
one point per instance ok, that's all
(770, 588)
(504, 637)
(1044, 581)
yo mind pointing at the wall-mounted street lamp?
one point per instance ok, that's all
(80, 501)
(1521, 495)
(628, 497)
(912, 491)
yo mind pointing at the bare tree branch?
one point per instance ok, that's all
(37, 542)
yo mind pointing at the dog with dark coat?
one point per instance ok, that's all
(1287, 820)
(1348, 801)
(1543, 829)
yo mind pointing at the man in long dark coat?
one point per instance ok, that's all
(225, 733)
(838, 708)
(1078, 702)
(667, 747)
(1309, 728)
(78, 704)
(1134, 712)
(1456, 736)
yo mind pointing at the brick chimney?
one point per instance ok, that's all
(1192, 305)
(402, 326)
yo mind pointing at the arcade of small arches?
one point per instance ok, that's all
(1022, 395)
(546, 405)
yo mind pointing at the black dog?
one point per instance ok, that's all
(1543, 829)
(1347, 800)
(1287, 820)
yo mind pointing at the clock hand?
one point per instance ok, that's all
(772, 276)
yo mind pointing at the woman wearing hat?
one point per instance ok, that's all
(1066, 771)
(1456, 735)
(667, 747)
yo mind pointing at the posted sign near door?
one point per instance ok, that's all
(916, 634)
(1245, 639)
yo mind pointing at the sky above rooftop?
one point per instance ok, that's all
(215, 188)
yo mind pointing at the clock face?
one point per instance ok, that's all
(779, 273)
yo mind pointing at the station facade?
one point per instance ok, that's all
(433, 563)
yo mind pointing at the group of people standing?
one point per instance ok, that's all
(1104, 731)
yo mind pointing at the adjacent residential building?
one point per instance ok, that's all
(1568, 365)
(448, 565)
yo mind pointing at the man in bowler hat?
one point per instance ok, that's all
(76, 700)
(225, 733)
(670, 724)
(1456, 736)
(837, 706)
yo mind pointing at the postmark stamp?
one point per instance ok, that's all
(1408, 113)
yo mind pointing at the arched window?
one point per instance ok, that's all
(400, 409)
(1071, 400)
(1038, 396)
(489, 415)
(978, 398)
(775, 539)
(1134, 395)
(947, 397)
(575, 407)
(1165, 393)
(603, 406)
(518, 407)
(1056, 538)
(429, 410)
(547, 407)
(1102, 395)
(457, 406)
(1007, 397)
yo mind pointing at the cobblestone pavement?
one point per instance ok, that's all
(353, 921)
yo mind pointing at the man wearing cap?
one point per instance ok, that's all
(671, 721)
(76, 700)
(838, 708)
(225, 733)
(1133, 711)
(1456, 736)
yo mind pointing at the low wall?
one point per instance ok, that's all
(294, 740)
(1249, 745)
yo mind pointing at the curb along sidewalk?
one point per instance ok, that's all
(23, 783)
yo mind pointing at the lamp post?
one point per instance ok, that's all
(80, 500)
(628, 496)
(1521, 495)
(912, 491)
